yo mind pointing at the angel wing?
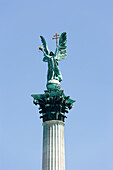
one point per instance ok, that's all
(62, 47)
(44, 45)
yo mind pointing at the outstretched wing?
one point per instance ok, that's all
(44, 45)
(62, 47)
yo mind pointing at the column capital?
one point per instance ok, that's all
(53, 104)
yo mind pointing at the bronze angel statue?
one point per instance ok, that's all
(54, 75)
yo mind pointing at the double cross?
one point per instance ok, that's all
(56, 36)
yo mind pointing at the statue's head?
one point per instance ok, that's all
(51, 53)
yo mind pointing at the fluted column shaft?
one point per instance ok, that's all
(53, 145)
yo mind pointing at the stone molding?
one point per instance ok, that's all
(53, 122)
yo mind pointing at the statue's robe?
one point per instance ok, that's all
(53, 70)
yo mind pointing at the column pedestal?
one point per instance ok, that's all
(53, 145)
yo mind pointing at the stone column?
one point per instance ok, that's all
(53, 157)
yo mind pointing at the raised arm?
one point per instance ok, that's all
(56, 51)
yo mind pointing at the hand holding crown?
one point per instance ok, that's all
(40, 48)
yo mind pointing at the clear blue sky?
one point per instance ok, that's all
(87, 77)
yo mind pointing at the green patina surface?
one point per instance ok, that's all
(54, 75)
(53, 104)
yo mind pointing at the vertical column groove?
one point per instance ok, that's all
(53, 157)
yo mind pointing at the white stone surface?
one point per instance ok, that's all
(53, 84)
(53, 145)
